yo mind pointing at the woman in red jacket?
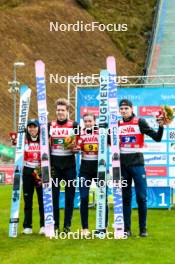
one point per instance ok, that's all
(89, 166)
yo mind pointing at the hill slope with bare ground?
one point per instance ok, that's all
(25, 36)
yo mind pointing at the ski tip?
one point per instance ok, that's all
(40, 68)
(110, 58)
(39, 62)
(104, 75)
(111, 64)
(23, 88)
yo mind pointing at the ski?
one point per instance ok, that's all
(102, 156)
(44, 148)
(115, 151)
(25, 94)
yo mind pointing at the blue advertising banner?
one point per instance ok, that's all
(159, 156)
(158, 197)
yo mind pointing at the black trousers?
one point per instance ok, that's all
(28, 191)
(68, 175)
(137, 173)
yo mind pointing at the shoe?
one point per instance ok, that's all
(42, 231)
(143, 232)
(27, 231)
(85, 232)
(100, 233)
(128, 232)
(66, 229)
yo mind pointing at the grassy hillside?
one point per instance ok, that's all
(25, 36)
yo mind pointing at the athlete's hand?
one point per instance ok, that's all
(76, 149)
(160, 121)
(165, 115)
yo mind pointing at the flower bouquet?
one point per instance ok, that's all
(69, 142)
(166, 114)
(37, 176)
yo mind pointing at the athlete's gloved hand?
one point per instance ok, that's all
(37, 176)
(76, 149)
(165, 115)
(160, 121)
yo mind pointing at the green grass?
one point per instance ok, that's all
(157, 248)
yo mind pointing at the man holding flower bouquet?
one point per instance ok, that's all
(63, 133)
(131, 133)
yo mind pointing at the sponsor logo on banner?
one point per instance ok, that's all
(155, 159)
(171, 135)
(2, 177)
(8, 171)
(155, 147)
(172, 182)
(156, 182)
(128, 129)
(84, 110)
(172, 159)
(90, 97)
(8, 178)
(171, 171)
(128, 139)
(172, 147)
(156, 171)
(148, 110)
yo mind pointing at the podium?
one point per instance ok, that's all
(157, 197)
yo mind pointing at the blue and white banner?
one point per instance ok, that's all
(159, 156)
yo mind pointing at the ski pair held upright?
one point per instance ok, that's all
(108, 102)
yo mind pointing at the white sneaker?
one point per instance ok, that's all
(85, 232)
(42, 231)
(27, 231)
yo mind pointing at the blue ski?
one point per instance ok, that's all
(25, 94)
